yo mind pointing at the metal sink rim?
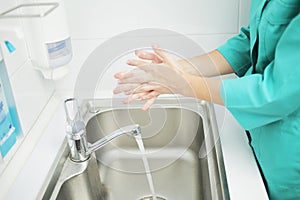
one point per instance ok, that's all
(91, 109)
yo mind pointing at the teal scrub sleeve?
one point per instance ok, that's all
(237, 51)
(259, 99)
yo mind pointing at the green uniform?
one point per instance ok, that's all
(265, 99)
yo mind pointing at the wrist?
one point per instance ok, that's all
(196, 86)
(207, 89)
(187, 66)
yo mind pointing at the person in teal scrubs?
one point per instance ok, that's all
(265, 98)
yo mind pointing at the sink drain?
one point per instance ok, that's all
(151, 198)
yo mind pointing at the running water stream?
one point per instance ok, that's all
(140, 143)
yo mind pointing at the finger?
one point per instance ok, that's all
(168, 58)
(152, 87)
(144, 88)
(133, 97)
(126, 88)
(133, 62)
(148, 56)
(150, 95)
(148, 104)
(161, 53)
(120, 74)
(137, 76)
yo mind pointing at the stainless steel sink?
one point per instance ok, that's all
(182, 148)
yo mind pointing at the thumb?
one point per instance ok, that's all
(167, 58)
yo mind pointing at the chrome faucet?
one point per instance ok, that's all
(80, 149)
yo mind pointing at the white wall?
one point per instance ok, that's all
(207, 22)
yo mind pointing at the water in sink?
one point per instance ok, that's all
(140, 143)
(172, 138)
(171, 148)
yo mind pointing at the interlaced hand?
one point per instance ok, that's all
(150, 79)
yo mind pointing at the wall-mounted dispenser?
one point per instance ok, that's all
(47, 36)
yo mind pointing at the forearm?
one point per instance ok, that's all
(207, 89)
(206, 65)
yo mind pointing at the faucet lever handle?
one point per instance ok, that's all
(71, 108)
(73, 116)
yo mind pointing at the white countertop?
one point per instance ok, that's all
(244, 181)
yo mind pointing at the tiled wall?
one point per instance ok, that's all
(208, 22)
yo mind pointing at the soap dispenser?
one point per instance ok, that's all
(45, 29)
(49, 42)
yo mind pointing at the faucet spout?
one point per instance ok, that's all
(133, 130)
(80, 149)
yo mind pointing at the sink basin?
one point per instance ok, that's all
(181, 146)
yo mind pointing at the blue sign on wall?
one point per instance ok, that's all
(10, 128)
